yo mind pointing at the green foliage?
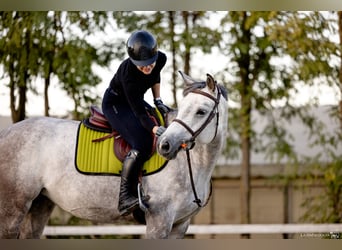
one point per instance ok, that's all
(324, 169)
(269, 53)
(327, 206)
(46, 44)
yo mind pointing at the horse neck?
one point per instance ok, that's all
(203, 160)
(203, 156)
(210, 152)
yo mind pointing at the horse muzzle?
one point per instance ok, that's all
(167, 147)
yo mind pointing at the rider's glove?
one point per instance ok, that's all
(160, 131)
(163, 109)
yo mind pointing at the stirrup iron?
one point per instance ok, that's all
(142, 198)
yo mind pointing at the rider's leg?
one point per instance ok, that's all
(129, 180)
(124, 121)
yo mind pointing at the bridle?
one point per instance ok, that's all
(212, 114)
(188, 145)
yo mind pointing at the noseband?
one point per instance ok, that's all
(213, 112)
(194, 134)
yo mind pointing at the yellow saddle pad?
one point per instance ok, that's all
(98, 158)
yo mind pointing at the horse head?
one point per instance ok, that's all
(201, 118)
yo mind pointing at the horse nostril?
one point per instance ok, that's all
(165, 146)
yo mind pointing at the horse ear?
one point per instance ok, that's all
(187, 79)
(211, 83)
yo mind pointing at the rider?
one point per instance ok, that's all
(124, 106)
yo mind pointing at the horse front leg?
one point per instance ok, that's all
(158, 225)
(178, 230)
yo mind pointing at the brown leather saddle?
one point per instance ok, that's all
(98, 122)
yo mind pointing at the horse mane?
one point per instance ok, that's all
(224, 91)
(200, 85)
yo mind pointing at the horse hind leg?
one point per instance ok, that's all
(13, 209)
(10, 221)
(36, 218)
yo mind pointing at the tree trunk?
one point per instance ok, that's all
(340, 73)
(46, 96)
(19, 78)
(171, 15)
(46, 90)
(245, 119)
(245, 189)
(17, 113)
(187, 55)
(288, 211)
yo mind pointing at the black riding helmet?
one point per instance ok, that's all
(142, 48)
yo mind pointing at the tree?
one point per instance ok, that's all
(269, 54)
(75, 56)
(18, 54)
(327, 207)
(38, 45)
(250, 54)
(314, 30)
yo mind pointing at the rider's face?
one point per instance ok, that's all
(147, 69)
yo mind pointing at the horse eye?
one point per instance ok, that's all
(201, 112)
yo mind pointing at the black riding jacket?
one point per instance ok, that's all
(131, 84)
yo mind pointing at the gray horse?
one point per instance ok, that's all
(37, 170)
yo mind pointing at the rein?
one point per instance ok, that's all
(197, 200)
(194, 134)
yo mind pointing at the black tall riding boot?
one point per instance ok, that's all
(128, 200)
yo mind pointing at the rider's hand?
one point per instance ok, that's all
(163, 109)
(160, 131)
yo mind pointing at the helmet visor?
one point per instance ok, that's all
(145, 62)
